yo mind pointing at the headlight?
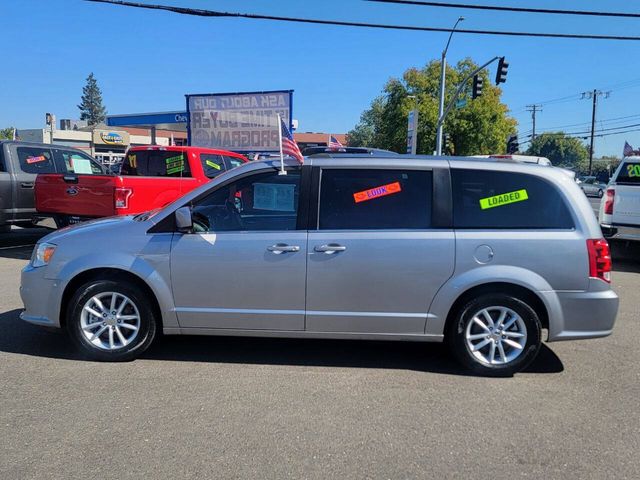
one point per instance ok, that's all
(42, 254)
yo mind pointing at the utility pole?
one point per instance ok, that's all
(534, 109)
(443, 74)
(593, 95)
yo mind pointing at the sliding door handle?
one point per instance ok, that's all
(330, 248)
(279, 248)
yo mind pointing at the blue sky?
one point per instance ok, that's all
(146, 61)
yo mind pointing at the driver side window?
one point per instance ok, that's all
(265, 201)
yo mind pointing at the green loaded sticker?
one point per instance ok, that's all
(213, 164)
(174, 164)
(503, 199)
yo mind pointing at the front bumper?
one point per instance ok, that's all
(40, 296)
(589, 314)
(621, 232)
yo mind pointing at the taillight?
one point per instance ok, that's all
(121, 197)
(608, 202)
(599, 259)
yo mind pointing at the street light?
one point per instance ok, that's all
(412, 128)
(443, 73)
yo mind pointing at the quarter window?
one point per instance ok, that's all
(212, 165)
(35, 160)
(233, 162)
(359, 199)
(265, 201)
(488, 199)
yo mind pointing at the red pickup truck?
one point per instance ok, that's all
(150, 177)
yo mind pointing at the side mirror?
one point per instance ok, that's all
(183, 219)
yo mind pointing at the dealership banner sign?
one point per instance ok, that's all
(243, 122)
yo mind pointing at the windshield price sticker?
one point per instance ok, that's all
(503, 199)
(377, 192)
(633, 170)
(39, 158)
(212, 164)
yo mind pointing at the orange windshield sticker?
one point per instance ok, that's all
(376, 192)
(40, 158)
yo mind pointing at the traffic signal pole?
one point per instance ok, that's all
(452, 102)
(443, 78)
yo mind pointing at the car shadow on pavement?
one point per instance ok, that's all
(19, 337)
(19, 242)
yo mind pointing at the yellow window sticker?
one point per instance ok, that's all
(503, 199)
(133, 161)
(213, 164)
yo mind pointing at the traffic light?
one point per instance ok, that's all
(477, 86)
(512, 144)
(446, 140)
(501, 74)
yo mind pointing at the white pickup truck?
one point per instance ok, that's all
(620, 206)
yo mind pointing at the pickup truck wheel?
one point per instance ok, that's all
(495, 335)
(61, 221)
(111, 321)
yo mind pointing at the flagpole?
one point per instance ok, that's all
(282, 170)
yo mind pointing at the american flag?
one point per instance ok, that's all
(334, 143)
(289, 146)
(628, 150)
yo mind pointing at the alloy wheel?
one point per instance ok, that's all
(110, 321)
(496, 335)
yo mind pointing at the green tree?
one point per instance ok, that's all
(563, 151)
(6, 133)
(91, 108)
(481, 126)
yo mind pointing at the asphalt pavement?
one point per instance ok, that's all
(207, 407)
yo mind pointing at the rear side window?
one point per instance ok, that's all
(35, 160)
(212, 165)
(156, 163)
(233, 162)
(359, 199)
(629, 173)
(75, 162)
(488, 199)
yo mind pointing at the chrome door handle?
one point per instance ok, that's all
(279, 248)
(330, 248)
(26, 184)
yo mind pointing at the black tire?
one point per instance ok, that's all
(147, 322)
(456, 335)
(61, 221)
(600, 193)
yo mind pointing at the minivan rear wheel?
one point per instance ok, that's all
(496, 335)
(111, 321)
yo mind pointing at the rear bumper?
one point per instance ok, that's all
(590, 314)
(622, 232)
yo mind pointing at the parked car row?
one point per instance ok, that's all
(42, 180)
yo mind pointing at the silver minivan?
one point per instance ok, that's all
(482, 254)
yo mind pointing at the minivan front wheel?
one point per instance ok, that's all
(496, 335)
(111, 321)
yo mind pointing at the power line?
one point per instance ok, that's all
(511, 9)
(252, 16)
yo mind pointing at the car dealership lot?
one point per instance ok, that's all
(272, 408)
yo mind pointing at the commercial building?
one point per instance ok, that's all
(105, 144)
